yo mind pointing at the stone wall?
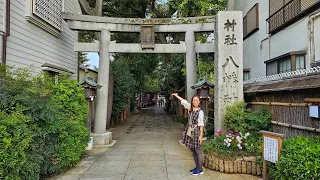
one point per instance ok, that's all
(243, 165)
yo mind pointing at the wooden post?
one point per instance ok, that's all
(121, 116)
(125, 114)
(271, 148)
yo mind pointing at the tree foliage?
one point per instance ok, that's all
(191, 8)
(82, 57)
(124, 85)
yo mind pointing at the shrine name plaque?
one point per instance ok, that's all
(147, 36)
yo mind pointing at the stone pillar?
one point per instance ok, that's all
(228, 63)
(191, 65)
(100, 136)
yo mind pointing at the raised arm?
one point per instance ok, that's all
(183, 101)
(177, 96)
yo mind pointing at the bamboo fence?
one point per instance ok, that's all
(290, 110)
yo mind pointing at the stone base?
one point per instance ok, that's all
(244, 165)
(90, 144)
(102, 139)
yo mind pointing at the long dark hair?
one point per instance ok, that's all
(191, 103)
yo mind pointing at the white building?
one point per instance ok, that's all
(279, 35)
(34, 33)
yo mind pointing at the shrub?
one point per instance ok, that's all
(245, 120)
(17, 160)
(235, 117)
(300, 159)
(56, 115)
(71, 136)
(206, 148)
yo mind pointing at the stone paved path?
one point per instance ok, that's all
(147, 148)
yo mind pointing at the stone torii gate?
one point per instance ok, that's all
(148, 27)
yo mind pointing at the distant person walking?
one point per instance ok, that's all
(192, 136)
(159, 102)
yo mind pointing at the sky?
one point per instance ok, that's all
(93, 58)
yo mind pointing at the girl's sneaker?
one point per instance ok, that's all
(195, 172)
(191, 171)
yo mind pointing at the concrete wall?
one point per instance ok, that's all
(292, 38)
(29, 44)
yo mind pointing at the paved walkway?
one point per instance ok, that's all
(147, 148)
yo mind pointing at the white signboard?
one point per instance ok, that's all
(270, 149)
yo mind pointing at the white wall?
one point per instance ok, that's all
(292, 38)
(30, 45)
(253, 54)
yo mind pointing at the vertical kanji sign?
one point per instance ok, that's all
(228, 62)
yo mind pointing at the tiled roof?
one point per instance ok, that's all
(88, 80)
(202, 81)
(294, 83)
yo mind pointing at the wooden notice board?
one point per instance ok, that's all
(272, 144)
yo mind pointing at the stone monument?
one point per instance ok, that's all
(228, 63)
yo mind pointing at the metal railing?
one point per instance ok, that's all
(285, 75)
(290, 12)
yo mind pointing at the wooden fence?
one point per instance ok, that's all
(289, 105)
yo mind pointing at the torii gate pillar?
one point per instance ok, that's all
(100, 136)
(191, 65)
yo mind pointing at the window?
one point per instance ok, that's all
(251, 21)
(285, 63)
(283, 13)
(246, 75)
(272, 68)
(300, 62)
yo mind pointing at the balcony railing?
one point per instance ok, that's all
(290, 13)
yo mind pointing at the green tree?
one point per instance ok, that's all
(82, 57)
(124, 85)
(191, 8)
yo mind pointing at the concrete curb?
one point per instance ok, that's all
(108, 145)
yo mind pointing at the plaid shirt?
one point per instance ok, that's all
(188, 141)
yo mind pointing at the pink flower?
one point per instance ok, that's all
(219, 132)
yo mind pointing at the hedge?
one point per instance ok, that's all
(42, 124)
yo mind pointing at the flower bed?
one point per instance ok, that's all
(245, 165)
(237, 149)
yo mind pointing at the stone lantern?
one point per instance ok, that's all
(90, 89)
(203, 88)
